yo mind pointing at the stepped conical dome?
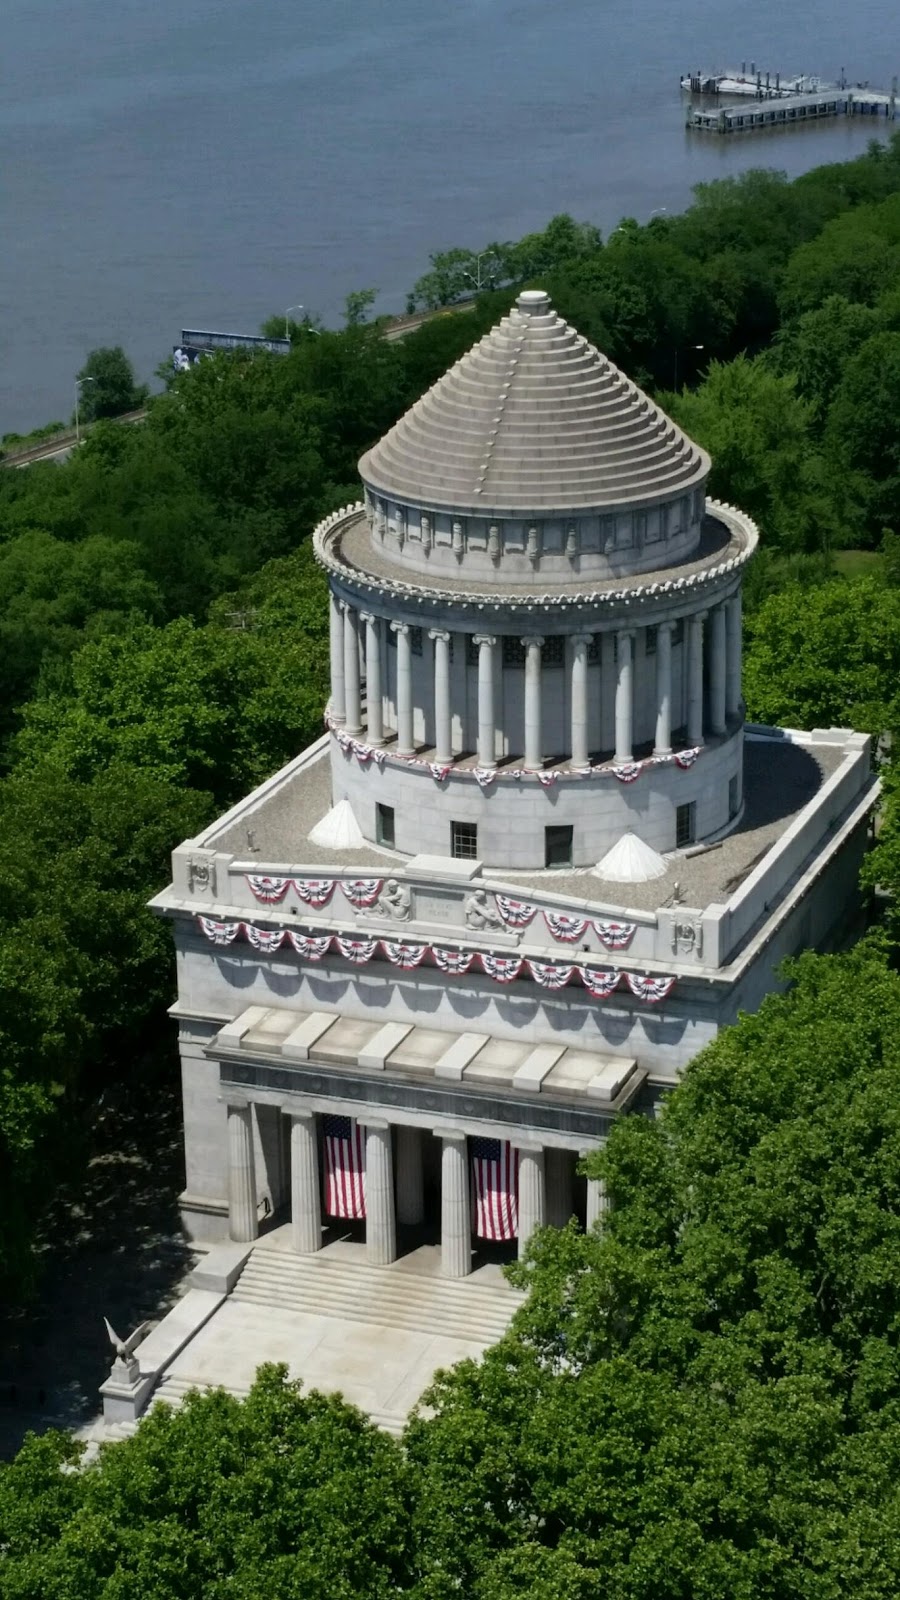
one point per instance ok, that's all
(532, 419)
(631, 860)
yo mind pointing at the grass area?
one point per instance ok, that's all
(856, 563)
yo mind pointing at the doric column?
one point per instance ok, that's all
(242, 1214)
(533, 742)
(336, 634)
(306, 1208)
(718, 667)
(663, 743)
(456, 1217)
(405, 741)
(486, 756)
(579, 756)
(381, 1222)
(410, 1186)
(443, 740)
(733, 646)
(558, 1174)
(352, 721)
(532, 1204)
(695, 679)
(375, 732)
(597, 1202)
(607, 691)
(624, 696)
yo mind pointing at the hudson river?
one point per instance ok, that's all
(202, 163)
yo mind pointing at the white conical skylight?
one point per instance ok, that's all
(630, 861)
(338, 829)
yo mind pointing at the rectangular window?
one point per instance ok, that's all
(471, 651)
(557, 847)
(685, 824)
(513, 651)
(732, 797)
(649, 641)
(464, 841)
(553, 653)
(678, 631)
(415, 640)
(384, 825)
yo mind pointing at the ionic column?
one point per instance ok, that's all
(456, 1216)
(306, 1208)
(598, 1202)
(733, 651)
(558, 1174)
(336, 636)
(663, 743)
(405, 741)
(624, 697)
(695, 679)
(579, 756)
(486, 756)
(718, 668)
(381, 1221)
(352, 722)
(443, 740)
(410, 1186)
(531, 1192)
(533, 751)
(242, 1214)
(375, 732)
(607, 691)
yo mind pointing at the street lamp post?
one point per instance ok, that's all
(287, 315)
(78, 383)
(476, 279)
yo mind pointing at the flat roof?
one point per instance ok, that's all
(780, 778)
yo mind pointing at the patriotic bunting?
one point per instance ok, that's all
(220, 932)
(454, 962)
(310, 946)
(546, 779)
(548, 975)
(345, 1167)
(686, 758)
(484, 776)
(438, 772)
(344, 740)
(404, 955)
(627, 771)
(598, 983)
(269, 890)
(380, 757)
(615, 935)
(265, 939)
(565, 927)
(314, 891)
(515, 913)
(359, 951)
(495, 1169)
(652, 989)
(362, 752)
(503, 969)
(362, 891)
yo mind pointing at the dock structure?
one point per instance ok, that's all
(795, 109)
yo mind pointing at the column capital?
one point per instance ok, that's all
(439, 633)
(665, 627)
(298, 1113)
(454, 1134)
(399, 627)
(346, 606)
(374, 1124)
(581, 639)
(484, 638)
(368, 616)
(536, 639)
(699, 616)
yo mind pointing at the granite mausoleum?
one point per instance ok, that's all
(537, 860)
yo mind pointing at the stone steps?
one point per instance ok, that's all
(321, 1285)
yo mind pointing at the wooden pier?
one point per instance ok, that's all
(793, 110)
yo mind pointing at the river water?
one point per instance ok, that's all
(203, 163)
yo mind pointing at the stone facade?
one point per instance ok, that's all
(535, 650)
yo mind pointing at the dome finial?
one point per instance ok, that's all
(533, 302)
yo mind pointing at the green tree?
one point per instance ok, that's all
(864, 429)
(107, 386)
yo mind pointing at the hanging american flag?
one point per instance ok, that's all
(345, 1167)
(495, 1168)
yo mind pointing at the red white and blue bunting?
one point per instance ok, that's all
(600, 982)
(626, 771)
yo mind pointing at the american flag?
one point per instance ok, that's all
(345, 1167)
(495, 1168)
